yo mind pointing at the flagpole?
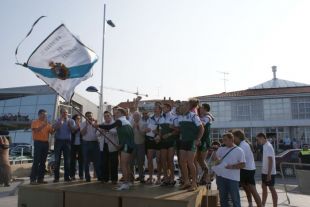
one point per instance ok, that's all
(100, 112)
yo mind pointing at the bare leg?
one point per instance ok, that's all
(248, 193)
(164, 160)
(171, 164)
(150, 164)
(192, 167)
(265, 194)
(274, 196)
(159, 165)
(255, 195)
(183, 162)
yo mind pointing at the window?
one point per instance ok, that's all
(246, 110)
(301, 108)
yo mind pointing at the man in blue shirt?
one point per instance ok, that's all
(64, 126)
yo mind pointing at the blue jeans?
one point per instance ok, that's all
(62, 146)
(39, 159)
(91, 153)
(228, 187)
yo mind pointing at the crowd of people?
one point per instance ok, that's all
(181, 130)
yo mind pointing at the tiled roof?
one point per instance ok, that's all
(260, 92)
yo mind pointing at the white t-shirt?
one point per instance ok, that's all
(249, 158)
(234, 157)
(268, 152)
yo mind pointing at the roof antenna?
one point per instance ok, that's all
(224, 79)
(274, 70)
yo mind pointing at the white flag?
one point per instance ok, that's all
(62, 62)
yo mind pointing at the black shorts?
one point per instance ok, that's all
(127, 149)
(151, 144)
(188, 146)
(247, 177)
(269, 183)
(167, 144)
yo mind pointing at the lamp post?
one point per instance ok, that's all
(109, 22)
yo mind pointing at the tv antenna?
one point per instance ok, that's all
(224, 78)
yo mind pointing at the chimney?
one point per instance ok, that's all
(164, 98)
(274, 70)
(169, 98)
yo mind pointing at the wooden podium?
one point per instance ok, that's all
(95, 194)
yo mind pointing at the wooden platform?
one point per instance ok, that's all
(95, 194)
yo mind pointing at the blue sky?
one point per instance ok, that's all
(166, 48)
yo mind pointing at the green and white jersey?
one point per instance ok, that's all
(153, 124)
(167, 124)
(206, 121)
(189, 126)
(125, 132)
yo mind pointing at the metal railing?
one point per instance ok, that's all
(301, 165)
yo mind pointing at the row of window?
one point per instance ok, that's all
(262, 109)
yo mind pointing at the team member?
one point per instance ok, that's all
(268, 169)
(41, 130)
(76, 149)
(167, 131)
(126, 144)
(191, 131)
(152, 140)
(247, 174)
(91, 150)
(202, 150)
(64, 127)
(109, 152)
(231, 159)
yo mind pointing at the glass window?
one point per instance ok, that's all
(13, 102)
(47, 99)
(301, 108)
(29, 100)
(11, 110)
(246, 110)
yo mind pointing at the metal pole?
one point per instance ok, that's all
(102, 67)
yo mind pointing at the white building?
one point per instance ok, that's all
(279, 108)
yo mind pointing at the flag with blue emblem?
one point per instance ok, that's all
(62, 62)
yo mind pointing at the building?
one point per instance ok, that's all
(20, 105)
(279, 108)
(143, 105)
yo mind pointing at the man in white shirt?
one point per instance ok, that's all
(247, 174)
(230, 160)
(268, 169)
(91, 151)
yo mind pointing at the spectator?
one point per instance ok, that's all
(268, 169)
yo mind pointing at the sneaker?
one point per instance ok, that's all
(33, 183)
(124, 186)
(67, 180)
(42, 182)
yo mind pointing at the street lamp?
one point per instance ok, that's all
(92, 89)
(110, 23)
